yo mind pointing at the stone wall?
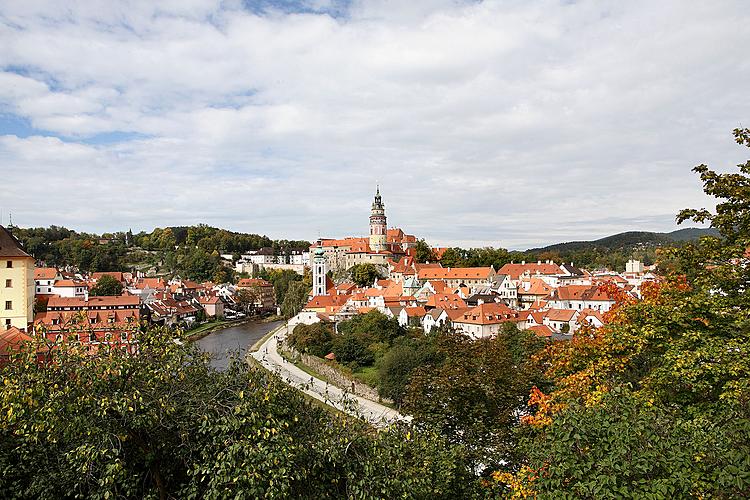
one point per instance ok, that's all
(336, 376)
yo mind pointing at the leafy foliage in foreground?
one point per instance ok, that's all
(657, 402)
(164, 424)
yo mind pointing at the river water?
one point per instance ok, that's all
(234, 341)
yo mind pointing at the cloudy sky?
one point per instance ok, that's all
(508, 123)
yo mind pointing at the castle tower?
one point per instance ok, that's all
(378, 227)
(319, 272)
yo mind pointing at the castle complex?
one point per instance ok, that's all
(383, 243)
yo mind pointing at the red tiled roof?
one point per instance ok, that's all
(45, 273)
(11, 340)
(541, 330)
(456, 273)
(516, 270)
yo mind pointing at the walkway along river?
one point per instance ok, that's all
(234, 341)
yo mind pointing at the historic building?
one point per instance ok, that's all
(16, 283)
(382, 245)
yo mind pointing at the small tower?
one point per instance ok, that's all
(378, 227)
(319, 271)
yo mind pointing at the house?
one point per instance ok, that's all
(485, 320)
(44, 279)
(16, 283)
(169, 311)
(70, 289)
(562, 320)
(580, 297)
(411, 316)
(93, 322)
(546, 271)
(531, 291)
(590, 317)
(213, 306)
(434, 318)
(459, 276)
(265, 296)
(11, 341)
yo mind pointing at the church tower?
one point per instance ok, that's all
(319, 271)
(378, 227)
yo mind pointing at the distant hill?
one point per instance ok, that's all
(630, 239)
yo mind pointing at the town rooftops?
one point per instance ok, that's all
(10, 247)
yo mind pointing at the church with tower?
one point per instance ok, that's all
(382, 245)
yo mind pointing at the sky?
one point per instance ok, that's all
(499, 123)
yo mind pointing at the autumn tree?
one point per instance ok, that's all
(474, 393)
(676, 361)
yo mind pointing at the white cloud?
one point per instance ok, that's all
(505, 123)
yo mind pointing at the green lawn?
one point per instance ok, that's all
(367, 375)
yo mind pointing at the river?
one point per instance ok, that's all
(223, 344)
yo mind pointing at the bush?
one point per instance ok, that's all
(352, 347)
(312, 339)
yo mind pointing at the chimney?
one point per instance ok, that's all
(539, 262)
(523, 262)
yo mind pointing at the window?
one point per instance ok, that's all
(8, 305)
(8, 283)
(7, 324)
(9, 264)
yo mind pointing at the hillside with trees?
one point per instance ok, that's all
(193, 252)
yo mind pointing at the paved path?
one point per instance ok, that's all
(375, 413)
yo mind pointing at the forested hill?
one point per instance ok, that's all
(192, 251)
(629, 240)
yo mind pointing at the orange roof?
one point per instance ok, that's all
(415, 311)
(489, 314)
(323, 301)
(457, 273)
(516, 270)
(69, 284)
(117, 300)
(561, 314)
(446, 301)
(535, 286)
(541, 330)
(45, 273)
(11, 339)
(589, 312)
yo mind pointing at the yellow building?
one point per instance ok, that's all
(16, 283)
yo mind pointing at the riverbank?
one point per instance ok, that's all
(213, 326)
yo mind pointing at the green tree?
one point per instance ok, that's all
(423, 252)
(106, 285)
(313, 339)
(474, 393)
(295, 298)
(246, 298)
(162, 423)
(364, 274)
(398, 364)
